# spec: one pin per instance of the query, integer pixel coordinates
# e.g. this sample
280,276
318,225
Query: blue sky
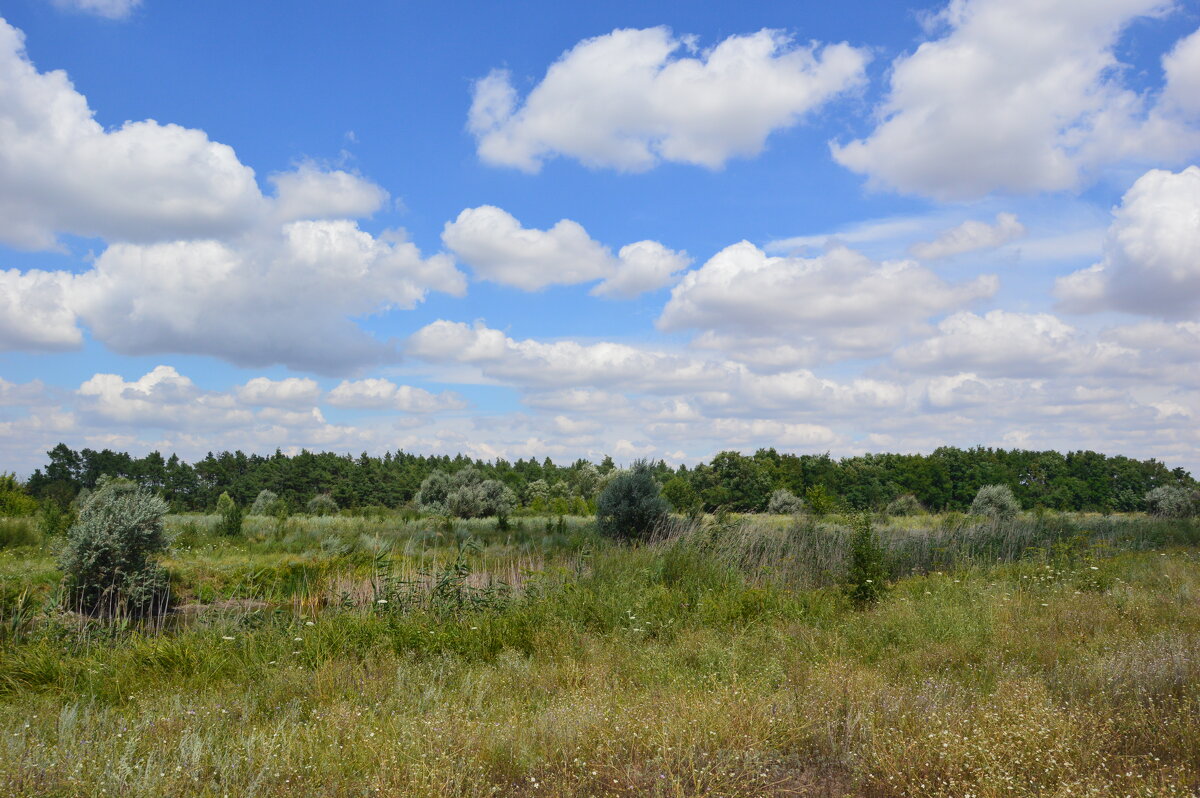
638,229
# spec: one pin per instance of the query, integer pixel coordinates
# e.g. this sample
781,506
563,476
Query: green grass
1053,657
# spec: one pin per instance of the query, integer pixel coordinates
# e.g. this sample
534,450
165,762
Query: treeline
946,479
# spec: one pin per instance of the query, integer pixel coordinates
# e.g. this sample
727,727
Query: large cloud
1169,344
1182,68
60,171
561,364
287,298
1151,262
627,100
288,392
838,303
496,246
570,375
161,398
199,260
1007,344
34,314
1020,95
143,182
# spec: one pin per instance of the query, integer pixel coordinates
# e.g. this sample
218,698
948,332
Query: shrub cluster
465,494
268,503
996,502
631,506
14,501
784,502
1171,501
230,523
108,556
907,504
866,581
322,504
682,496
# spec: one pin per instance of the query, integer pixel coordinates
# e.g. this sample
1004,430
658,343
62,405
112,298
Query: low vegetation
920,655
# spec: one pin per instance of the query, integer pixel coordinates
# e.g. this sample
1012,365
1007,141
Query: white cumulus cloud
1182,68
61,171
642,266
629,99
288,392
287,298
1020,96
34,311
1151,263
841,300
1006,344
970,236
377,393
498,248
161,398
309,192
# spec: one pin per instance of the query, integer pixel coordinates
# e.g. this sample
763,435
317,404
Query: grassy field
1051,656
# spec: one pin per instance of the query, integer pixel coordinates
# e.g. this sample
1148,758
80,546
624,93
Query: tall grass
19,531
805,552
719,660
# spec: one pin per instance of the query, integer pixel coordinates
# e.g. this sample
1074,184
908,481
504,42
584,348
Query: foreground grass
668,670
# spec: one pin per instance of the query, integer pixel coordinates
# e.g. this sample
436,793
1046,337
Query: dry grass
655,671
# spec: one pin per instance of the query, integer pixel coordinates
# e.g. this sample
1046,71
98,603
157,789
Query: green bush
53,520
819,500
267,503
465,494
1170,501
996,502
14,501
230,524
905,505
682,496
108,557
784,502
432,495
18,532
535,491
631,505
322,504
866,581
481,500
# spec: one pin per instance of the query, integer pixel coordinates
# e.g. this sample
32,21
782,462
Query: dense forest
946,479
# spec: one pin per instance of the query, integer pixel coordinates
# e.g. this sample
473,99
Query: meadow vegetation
386,653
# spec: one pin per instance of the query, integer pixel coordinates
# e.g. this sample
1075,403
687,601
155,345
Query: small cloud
109,9
970,236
